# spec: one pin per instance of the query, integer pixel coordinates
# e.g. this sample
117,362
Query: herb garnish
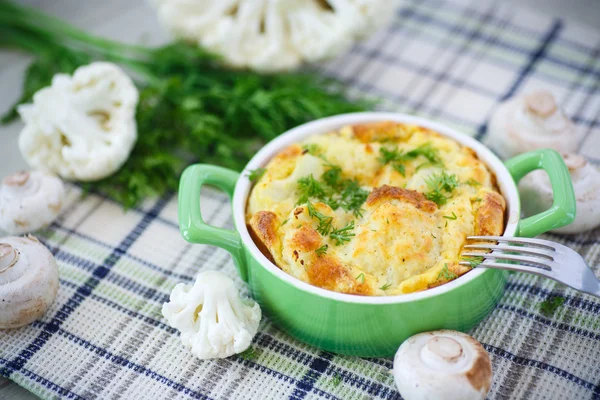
386,286
361,277
325,221
336,379
322,250
343,235
189,101
441,186
256,174
472,182
453,217
312,149
398,157
249,353
334,190
549,306
446,274
473,261
284,222
309,187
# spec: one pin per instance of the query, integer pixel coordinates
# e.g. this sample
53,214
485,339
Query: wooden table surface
135,21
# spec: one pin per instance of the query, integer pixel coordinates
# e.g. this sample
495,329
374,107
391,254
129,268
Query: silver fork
536,256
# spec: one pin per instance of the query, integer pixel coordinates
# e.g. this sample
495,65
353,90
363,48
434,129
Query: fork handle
562,211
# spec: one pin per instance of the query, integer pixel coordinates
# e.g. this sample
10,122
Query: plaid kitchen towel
453,61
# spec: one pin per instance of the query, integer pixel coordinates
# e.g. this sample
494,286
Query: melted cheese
402,242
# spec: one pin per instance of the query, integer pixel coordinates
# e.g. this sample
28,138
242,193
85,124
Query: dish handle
192,225
562,211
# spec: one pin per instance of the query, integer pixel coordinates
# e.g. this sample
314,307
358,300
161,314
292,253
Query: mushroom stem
443,349
9,256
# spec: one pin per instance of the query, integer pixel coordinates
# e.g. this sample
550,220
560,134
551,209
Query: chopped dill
446,275
343,235
322,250
549,306
325,221
453,217
398,157
473,261
386,286
361,277
441,186
472,182
256,174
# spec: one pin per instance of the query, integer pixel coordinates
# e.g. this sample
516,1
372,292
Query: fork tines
537,254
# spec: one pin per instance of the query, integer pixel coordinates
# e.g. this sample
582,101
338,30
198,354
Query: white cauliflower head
81,127
271,35
213,320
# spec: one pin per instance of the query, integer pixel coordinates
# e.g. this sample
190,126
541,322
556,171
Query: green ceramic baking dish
359,325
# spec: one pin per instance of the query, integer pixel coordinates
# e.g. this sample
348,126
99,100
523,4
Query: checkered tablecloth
452,61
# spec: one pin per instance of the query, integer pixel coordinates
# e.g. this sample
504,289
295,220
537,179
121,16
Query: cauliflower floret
212,319
271,35
81,127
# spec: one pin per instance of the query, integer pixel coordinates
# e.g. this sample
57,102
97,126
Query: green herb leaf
452,217
446,275
322,250
256,174
191,106
325,222
308,187
386,286
249,354
284,222
472,182
473,261
312,149
549,306
361,277
344,234
336,379
441,186
397,157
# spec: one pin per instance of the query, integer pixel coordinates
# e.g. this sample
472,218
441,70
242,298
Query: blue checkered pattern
452,61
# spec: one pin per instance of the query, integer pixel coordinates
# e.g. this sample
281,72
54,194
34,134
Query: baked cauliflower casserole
373,209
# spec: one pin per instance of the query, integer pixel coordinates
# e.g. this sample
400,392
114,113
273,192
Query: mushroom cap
442,364
536,194
531,121
82,127
29,201
271,35
28,280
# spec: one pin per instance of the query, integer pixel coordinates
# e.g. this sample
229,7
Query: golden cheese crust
373,209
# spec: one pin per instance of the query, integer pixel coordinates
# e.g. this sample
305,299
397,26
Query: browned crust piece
489,220
306,239
329,273
387,192
376,131
263,229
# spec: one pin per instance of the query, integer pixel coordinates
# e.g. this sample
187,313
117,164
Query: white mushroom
529,122
29,201
28,281
270,35
442,365
536,194
214,322
81,127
